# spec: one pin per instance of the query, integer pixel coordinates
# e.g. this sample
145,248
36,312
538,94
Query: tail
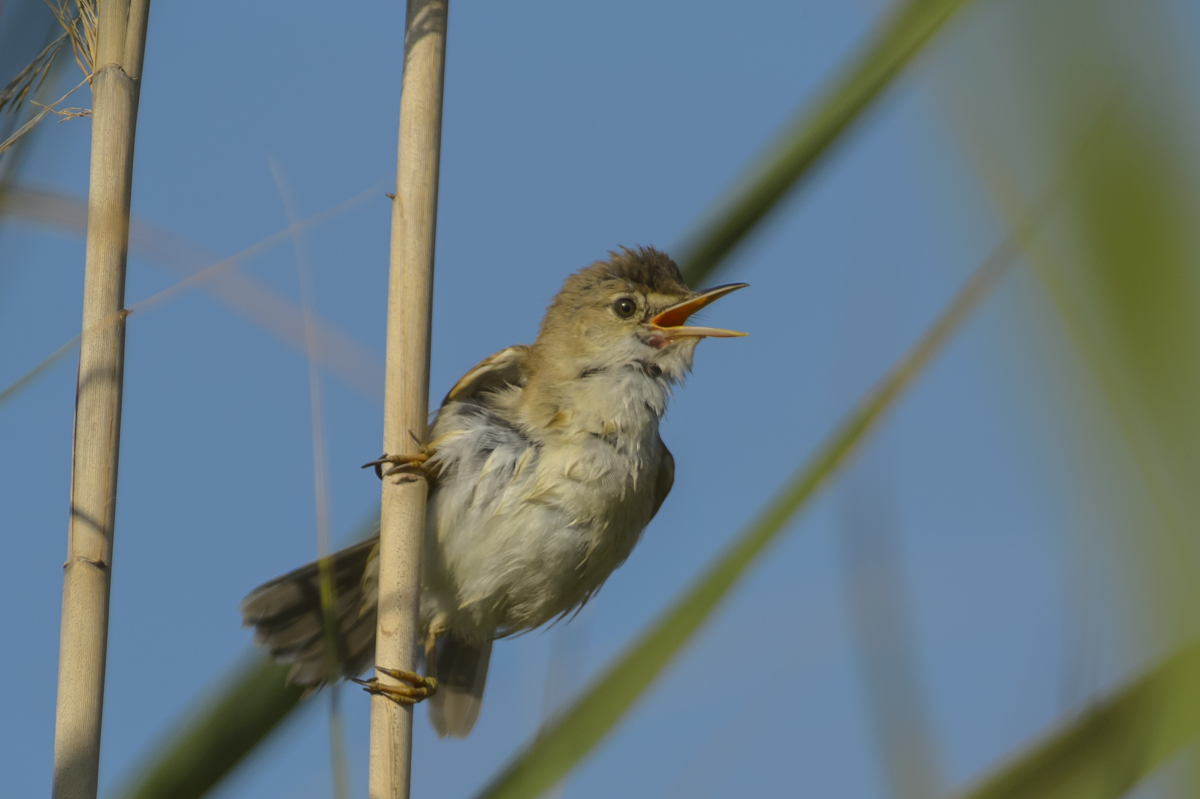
287,619
462,674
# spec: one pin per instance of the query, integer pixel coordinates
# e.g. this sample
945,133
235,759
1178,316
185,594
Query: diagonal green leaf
252,703
569,738
819,127
1107,750
1125,289
224,726
865,76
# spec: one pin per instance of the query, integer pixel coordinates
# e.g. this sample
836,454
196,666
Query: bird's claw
401,464
419,688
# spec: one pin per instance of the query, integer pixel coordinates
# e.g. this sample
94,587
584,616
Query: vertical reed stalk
406,398
87,572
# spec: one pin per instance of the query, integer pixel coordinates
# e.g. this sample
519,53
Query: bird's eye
624,307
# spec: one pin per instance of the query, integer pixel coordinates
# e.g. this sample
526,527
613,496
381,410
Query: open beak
671,321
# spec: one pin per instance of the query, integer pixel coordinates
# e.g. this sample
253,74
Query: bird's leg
431,654
403,463
417,689
437,628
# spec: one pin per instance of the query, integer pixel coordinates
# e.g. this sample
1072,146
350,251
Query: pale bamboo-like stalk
86,578
406,393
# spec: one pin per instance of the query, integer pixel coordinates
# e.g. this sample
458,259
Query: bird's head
630,310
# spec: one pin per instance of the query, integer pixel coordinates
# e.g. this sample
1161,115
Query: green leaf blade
567,740
1106,751
255,700
899,39
867,74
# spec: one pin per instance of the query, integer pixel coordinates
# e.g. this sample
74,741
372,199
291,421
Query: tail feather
286,614
462,675
288,622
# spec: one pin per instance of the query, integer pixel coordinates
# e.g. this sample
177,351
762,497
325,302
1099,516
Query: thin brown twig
328,594
28,126
283,319
30,78
195,280
214,270
79,23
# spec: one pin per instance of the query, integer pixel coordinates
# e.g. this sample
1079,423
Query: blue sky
569,129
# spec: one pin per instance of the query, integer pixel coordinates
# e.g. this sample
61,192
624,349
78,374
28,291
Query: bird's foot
402,463
418,688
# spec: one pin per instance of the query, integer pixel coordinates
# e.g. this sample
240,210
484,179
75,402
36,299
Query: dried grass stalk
84,637
406,399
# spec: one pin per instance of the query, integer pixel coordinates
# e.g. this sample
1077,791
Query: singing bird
544,467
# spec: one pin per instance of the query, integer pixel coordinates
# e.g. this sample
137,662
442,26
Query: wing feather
506,367
664,480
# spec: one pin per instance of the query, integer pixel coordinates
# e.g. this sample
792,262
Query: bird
545,465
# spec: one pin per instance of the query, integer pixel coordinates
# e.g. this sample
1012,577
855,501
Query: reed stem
406,397
88,569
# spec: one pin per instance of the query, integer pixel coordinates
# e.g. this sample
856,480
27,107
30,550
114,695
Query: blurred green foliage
1121,273
226,724
1111,747
201,755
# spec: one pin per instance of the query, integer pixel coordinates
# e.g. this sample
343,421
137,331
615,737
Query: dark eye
624,307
